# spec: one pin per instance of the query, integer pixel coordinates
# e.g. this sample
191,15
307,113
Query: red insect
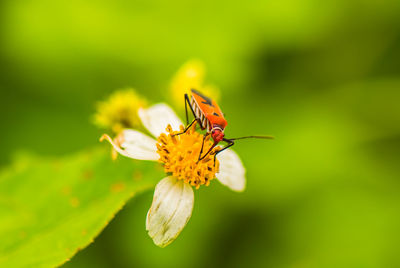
209,116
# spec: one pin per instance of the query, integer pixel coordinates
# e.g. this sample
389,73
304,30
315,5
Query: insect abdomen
205,123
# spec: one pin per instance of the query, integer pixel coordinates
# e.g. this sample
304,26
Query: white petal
157,117
134,144
231,170
170,211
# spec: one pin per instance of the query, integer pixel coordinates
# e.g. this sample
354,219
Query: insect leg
186,103
209,150
230,144
202,145
186,129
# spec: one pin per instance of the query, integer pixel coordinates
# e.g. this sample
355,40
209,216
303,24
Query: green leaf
51,209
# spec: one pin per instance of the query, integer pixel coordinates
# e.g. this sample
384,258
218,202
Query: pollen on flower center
180,155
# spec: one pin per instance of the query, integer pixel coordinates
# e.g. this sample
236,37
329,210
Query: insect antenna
253,137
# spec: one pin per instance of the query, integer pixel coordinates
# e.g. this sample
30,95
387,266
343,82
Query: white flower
173,196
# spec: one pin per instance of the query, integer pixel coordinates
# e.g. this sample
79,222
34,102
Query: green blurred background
322,76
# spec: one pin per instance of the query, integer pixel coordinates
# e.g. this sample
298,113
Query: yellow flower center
180,155
120,111
191,75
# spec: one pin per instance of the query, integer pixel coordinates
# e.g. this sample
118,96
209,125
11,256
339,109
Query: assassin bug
209,116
